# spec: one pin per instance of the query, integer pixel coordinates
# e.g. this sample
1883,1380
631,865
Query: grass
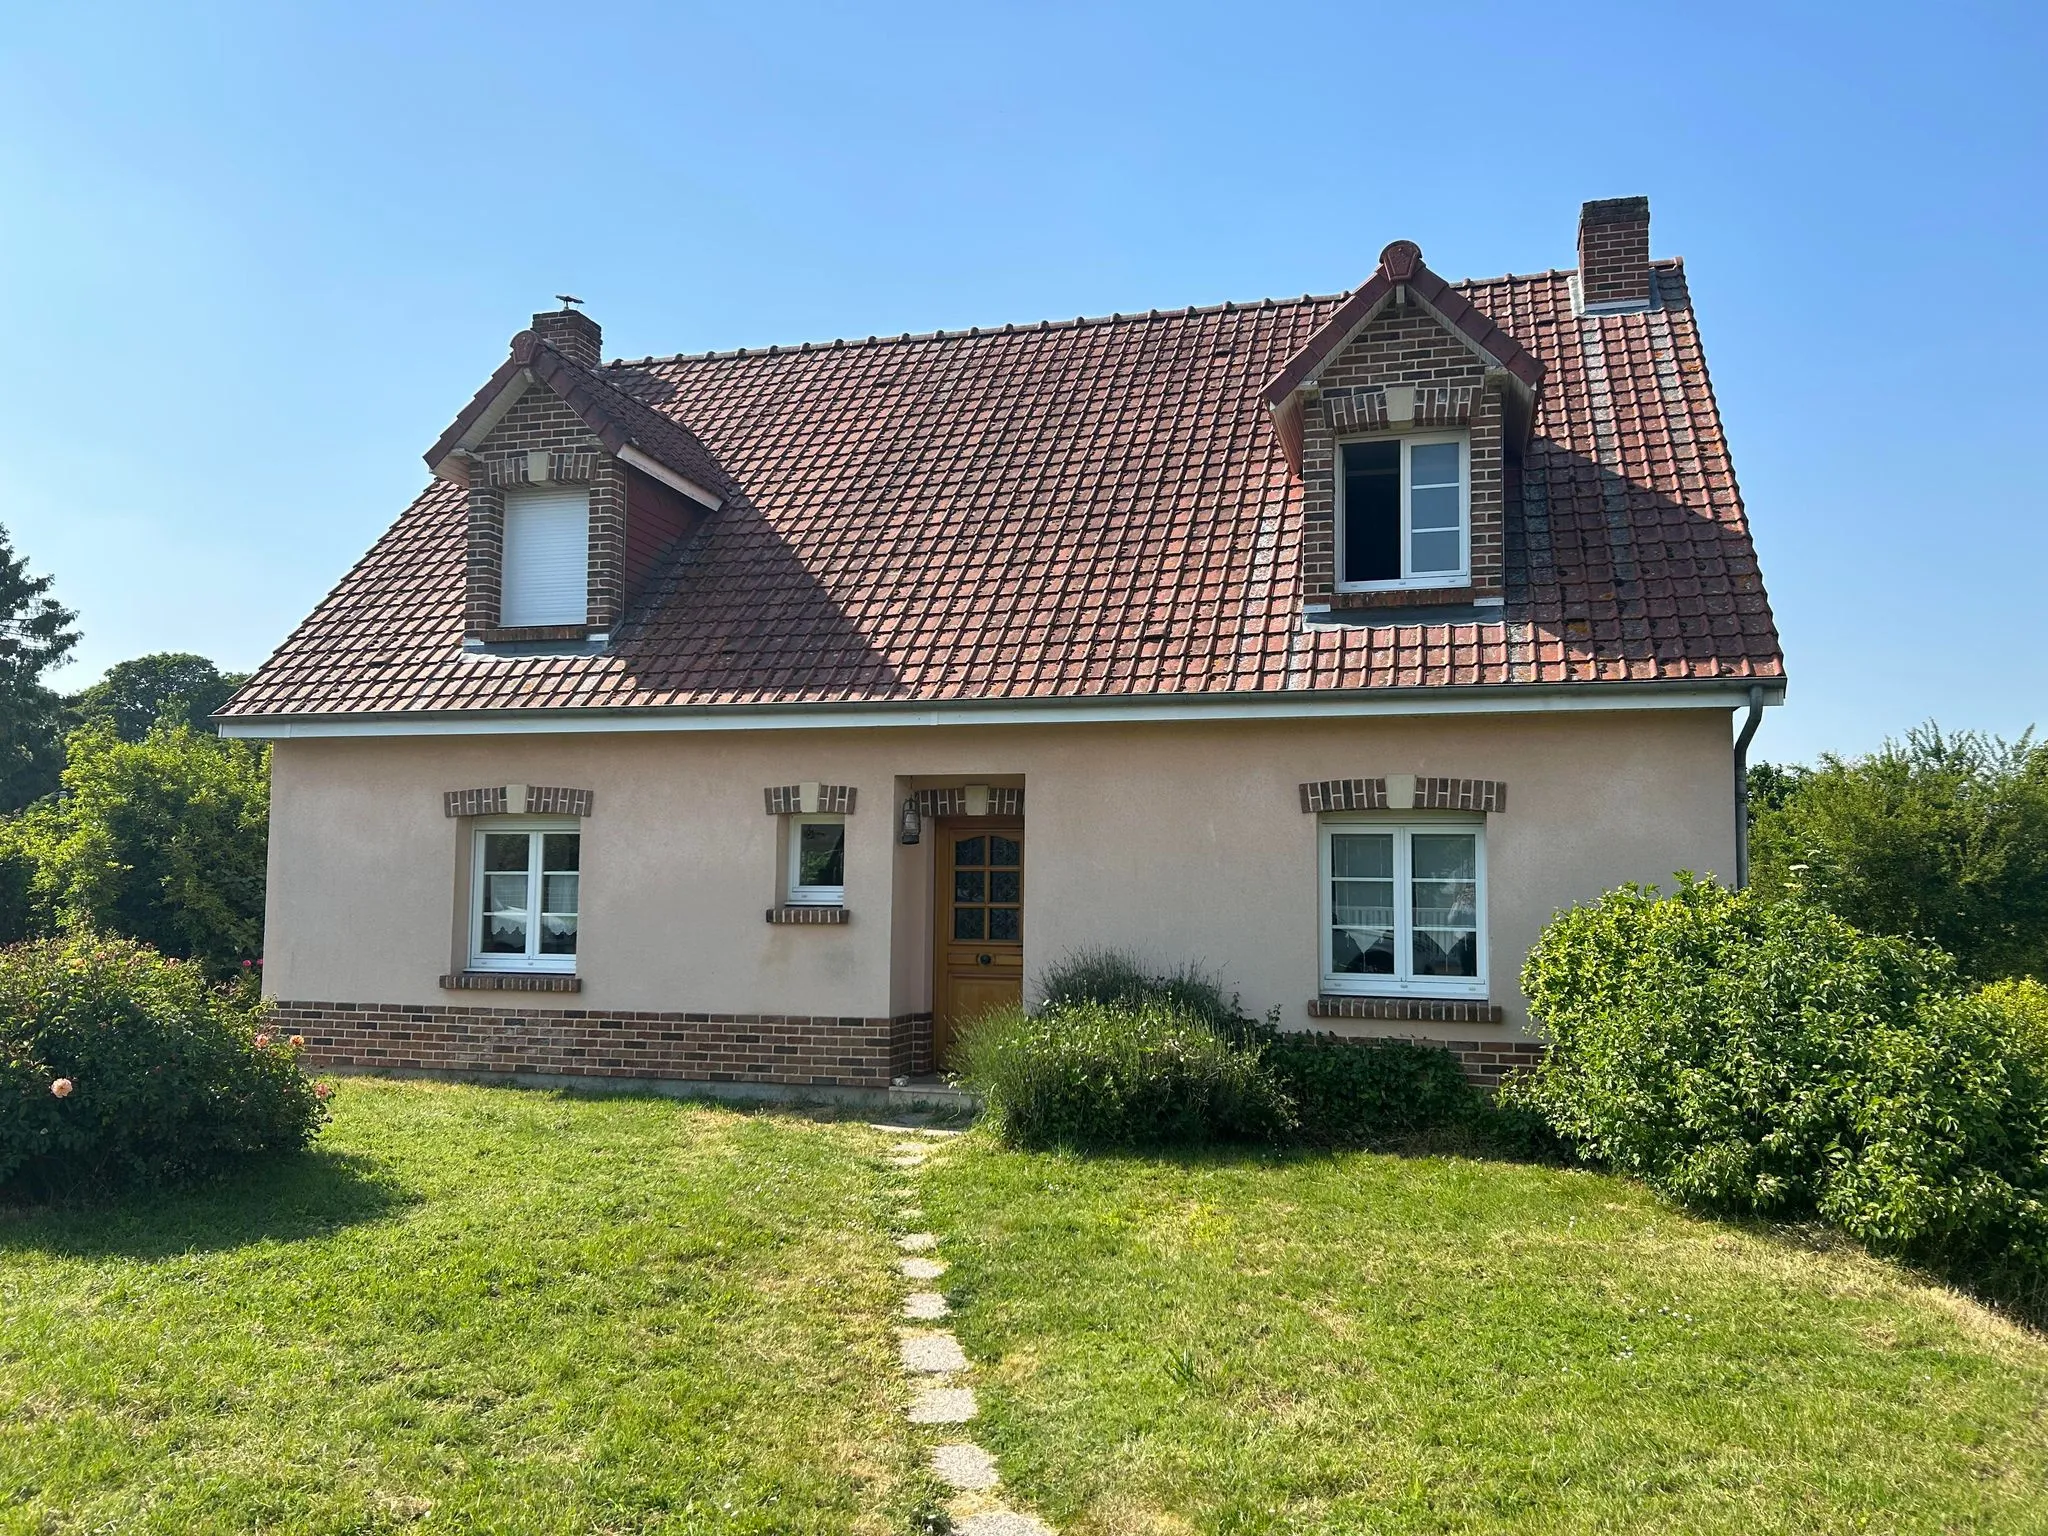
484,1310
471,1310
1364,1343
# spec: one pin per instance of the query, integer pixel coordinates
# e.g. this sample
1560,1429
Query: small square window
1403,508
817,861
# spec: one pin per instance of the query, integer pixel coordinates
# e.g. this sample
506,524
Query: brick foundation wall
701,1047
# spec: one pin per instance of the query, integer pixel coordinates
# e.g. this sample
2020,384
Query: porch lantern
912,827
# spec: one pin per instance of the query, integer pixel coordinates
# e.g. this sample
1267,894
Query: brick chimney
1614,252
575,335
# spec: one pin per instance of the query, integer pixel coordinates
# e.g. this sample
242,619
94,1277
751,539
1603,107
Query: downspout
1756,718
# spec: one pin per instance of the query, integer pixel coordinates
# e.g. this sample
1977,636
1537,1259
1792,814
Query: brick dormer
1399,418
576,490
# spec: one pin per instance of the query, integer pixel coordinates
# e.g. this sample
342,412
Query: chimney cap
1615,210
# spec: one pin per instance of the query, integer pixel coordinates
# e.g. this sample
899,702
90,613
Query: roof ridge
976,332
1079,322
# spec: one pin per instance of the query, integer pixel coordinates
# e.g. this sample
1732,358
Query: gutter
1756,718
1068,709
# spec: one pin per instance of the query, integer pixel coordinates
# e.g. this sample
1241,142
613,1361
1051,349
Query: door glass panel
1005,885
1005,924
967,885
967,923
969,852
1005,853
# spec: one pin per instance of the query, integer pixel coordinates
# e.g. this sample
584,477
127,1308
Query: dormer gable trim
634,433
1401,274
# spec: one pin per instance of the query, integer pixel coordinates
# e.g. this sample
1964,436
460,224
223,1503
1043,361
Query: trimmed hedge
1757,1056
1119,1055
1089,1074
120,1068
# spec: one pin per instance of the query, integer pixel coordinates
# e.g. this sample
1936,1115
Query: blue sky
256,257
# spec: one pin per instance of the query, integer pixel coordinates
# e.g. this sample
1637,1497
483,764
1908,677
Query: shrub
1106,1019
121,1068
1939,837
1117,978
162,840
1091,1074
1750,1055
1364,1091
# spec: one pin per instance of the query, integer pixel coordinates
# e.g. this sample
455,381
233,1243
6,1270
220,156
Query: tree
1938,837
169,685
162,840
35,635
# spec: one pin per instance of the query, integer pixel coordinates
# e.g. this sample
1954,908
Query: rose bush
120,1068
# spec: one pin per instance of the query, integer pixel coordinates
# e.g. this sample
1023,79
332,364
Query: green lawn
471,1310
1365,1343
486,1310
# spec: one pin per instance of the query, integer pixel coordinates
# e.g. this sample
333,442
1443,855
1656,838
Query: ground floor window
525,894
1404,907
817,861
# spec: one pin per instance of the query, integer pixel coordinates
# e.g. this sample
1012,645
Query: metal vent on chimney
1614,276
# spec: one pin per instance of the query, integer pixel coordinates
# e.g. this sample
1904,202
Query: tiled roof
1089,507
614,417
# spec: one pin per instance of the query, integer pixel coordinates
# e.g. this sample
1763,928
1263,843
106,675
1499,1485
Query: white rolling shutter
547,556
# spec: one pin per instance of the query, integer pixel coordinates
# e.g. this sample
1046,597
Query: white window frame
1401,983
797,894
532,960
1408,581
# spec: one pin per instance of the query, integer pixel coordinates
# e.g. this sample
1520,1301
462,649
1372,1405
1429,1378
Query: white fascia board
656,470
1096,710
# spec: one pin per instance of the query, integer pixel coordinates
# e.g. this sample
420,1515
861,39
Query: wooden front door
980,910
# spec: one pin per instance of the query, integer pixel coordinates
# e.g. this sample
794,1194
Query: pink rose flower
262,1041
322,1091
61,1087
298,1039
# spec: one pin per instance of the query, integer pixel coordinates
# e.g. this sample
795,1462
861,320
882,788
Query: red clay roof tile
1082,507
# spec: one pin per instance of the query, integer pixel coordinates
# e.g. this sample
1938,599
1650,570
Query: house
755,717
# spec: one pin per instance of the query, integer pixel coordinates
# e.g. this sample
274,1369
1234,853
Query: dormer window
547,556
1403,512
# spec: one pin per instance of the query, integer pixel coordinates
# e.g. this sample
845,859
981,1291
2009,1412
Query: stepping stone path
933,1359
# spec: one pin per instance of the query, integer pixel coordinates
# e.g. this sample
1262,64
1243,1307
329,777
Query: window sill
1406,597
1437,1010
512,981
808,917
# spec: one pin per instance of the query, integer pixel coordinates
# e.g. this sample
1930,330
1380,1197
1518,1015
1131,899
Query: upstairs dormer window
1404,512
547,556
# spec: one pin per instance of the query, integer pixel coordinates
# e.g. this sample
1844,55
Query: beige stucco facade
1179,841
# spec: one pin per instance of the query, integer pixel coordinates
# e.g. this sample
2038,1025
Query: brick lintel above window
1404,792
810,799
518,800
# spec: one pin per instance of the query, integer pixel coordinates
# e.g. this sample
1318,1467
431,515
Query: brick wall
699,1047
1406,347
542,422
1614,251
